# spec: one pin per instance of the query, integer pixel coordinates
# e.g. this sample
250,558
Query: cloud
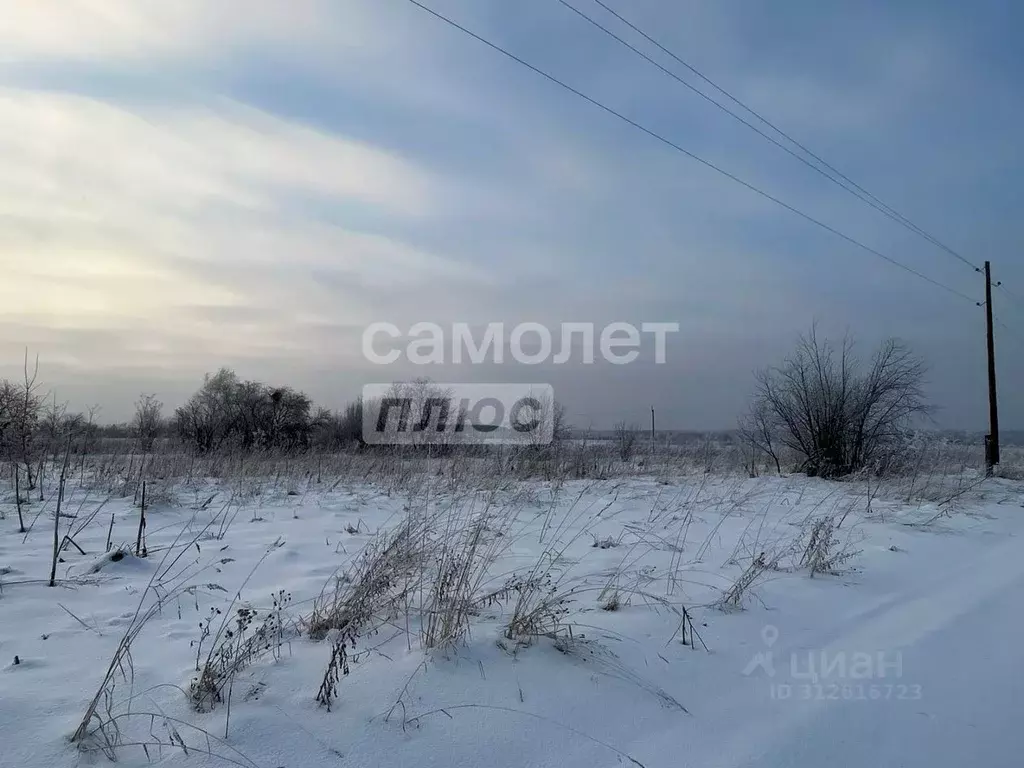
249,182
186,157
180,235
141,29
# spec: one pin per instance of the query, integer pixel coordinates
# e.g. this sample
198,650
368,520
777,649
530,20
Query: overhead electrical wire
1015,303
673,145
1013,333
825,169
1011,295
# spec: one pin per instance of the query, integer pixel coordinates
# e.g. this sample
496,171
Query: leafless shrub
758,430
611,602
238,646
540,597
606,543
835,415
733,597
101,726
337,668
774,540
539,607
235,644
462,554
549,459
23,405
607,663
375,591
377,586
824,552
164,734
147,421
339,430
626,437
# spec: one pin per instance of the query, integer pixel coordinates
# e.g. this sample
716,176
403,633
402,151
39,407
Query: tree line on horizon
823,407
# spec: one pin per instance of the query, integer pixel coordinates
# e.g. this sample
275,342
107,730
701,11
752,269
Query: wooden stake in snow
110,532
139,550
56,516
56,540
17,498
652,431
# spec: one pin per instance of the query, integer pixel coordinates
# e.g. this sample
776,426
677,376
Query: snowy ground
679,625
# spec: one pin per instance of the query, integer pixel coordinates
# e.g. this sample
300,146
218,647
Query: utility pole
992,439
652,431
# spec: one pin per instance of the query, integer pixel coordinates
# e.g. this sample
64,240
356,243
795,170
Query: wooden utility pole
652,431
992,439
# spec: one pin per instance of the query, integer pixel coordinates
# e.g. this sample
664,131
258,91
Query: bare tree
757,429
246,405
8,407
89,430
342,429
838,415
350,423
210,416
25,404
553,429
626,437
147,421
425,416
52,424
553,411
249,414
544,451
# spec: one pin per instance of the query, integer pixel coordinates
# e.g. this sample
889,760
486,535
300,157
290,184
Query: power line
854,189
725,109
691,155
1011,295
1014,334
1016,304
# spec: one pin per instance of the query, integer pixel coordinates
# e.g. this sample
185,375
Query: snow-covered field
703,620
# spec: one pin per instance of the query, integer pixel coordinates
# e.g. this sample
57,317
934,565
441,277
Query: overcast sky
249,183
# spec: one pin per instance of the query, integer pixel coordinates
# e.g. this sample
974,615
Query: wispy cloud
115,215
189,184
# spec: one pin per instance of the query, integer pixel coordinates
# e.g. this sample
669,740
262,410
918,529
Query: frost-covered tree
837,414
